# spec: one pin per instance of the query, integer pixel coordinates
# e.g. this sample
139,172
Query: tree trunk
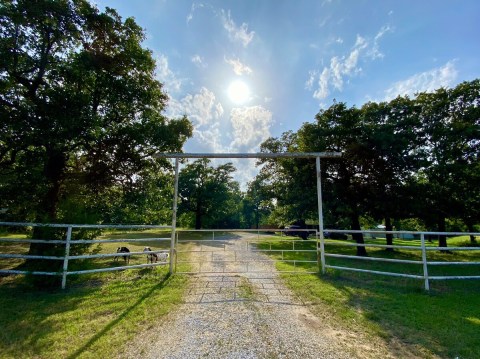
442,239
54,170
471,229
389,236
358,237
198,216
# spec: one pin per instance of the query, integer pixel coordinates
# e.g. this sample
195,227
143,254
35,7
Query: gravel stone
247,315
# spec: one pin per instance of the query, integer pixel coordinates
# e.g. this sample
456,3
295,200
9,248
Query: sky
244,71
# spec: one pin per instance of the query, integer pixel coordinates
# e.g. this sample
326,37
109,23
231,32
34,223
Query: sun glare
238,91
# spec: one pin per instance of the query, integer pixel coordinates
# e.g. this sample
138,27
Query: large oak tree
80,105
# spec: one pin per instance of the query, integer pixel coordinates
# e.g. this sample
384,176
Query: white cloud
251,126
205,113
375,51
166,76
428,81
341,68
322,91
236,33
201,108
199,61
312,74
238,67
194,7
324,21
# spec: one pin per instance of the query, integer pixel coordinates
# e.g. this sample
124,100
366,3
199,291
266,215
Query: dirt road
248,315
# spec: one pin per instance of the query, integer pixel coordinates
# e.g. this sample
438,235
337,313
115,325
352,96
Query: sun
238,91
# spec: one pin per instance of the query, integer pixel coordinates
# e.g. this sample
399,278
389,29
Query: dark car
293,231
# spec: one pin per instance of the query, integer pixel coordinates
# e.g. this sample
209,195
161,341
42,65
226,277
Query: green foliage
81,108
210,194
81,112
404,159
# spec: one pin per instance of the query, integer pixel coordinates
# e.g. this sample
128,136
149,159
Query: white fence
69,242
319,250
423,248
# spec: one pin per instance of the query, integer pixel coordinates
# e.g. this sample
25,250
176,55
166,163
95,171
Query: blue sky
296,57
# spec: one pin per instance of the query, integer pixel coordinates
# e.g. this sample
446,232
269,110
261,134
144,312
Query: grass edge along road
444,322
95,317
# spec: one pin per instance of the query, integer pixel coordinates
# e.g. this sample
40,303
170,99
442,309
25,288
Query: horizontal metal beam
251,155
59,225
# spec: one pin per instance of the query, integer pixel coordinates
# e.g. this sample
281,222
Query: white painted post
424,260
174,217
65,260
320,216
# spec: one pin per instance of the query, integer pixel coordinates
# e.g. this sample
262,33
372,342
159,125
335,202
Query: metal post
320,216
174,217
176,246
424,260
65,260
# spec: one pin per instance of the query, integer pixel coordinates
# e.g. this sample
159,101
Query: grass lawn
96,315
444,322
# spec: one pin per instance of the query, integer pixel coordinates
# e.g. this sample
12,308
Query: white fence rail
320,250
69,242
423,249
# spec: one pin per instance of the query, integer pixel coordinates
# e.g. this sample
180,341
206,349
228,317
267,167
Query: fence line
319,240
68,242
423,248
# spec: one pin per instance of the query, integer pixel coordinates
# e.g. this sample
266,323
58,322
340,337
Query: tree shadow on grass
38,323
445,321
119,318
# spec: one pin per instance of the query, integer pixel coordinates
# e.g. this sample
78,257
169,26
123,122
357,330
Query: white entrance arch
316,155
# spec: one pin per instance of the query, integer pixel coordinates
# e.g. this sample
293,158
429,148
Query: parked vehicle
293,231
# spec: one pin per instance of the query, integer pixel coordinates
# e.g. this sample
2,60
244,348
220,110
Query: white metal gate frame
178,156
243,256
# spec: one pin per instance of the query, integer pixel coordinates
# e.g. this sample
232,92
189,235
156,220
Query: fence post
320,213
424,260
174,218
322,253
176,252
65,259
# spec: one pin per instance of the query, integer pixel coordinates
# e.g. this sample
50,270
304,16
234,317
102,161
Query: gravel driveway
250,315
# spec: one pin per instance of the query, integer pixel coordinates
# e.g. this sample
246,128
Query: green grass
444,322
93,319
99,313
96,315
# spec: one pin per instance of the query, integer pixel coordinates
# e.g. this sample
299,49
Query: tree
210,194
290,182
256,204
450,119
393,140
80,105
79,100
345,188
